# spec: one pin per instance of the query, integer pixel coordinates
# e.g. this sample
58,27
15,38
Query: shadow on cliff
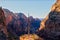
51,31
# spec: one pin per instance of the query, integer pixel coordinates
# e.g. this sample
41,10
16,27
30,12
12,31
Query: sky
35,8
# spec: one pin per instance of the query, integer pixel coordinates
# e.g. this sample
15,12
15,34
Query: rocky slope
3,27
51,24
16,24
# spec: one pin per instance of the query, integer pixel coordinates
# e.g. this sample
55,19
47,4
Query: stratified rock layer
51,24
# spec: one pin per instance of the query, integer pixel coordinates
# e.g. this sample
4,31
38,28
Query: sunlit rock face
51,24
42,24
56,6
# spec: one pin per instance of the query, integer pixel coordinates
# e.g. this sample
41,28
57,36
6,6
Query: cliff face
3,27
56,6
15,24
51,24
9,15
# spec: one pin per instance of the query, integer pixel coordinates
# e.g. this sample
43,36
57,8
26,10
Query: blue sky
35,8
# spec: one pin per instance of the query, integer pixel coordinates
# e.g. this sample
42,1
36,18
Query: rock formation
3,27
8,15
51,24
16,24
56,6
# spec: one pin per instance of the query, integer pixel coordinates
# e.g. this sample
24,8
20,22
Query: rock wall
3,27
51,24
